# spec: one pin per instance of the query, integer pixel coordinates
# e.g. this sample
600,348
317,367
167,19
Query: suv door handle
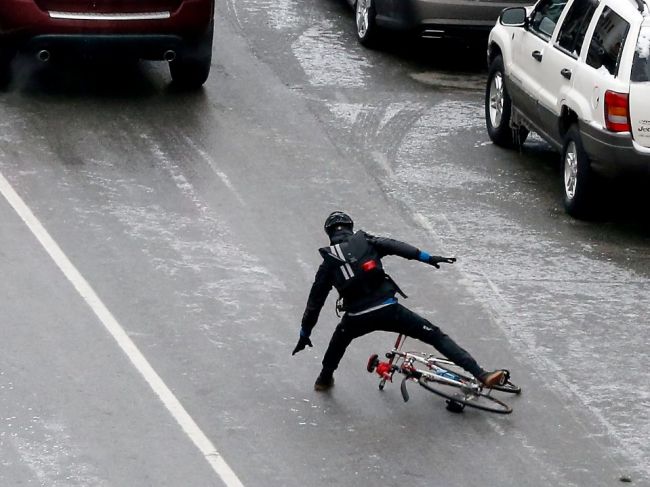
537,55
566,73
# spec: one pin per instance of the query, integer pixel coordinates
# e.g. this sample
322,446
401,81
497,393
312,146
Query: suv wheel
498,109
192,66
578,175
366,25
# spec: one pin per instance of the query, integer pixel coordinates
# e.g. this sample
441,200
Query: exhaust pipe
169,55
43,55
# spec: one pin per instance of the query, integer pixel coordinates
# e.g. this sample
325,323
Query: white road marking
189,426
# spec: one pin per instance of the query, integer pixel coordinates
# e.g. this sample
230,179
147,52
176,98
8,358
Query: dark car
433,19
176,31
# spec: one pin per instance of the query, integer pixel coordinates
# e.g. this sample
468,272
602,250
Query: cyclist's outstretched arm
389,246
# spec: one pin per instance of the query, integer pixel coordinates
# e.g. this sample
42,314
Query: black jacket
325,278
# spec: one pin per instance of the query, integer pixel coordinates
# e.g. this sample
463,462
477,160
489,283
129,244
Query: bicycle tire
478,400
508,387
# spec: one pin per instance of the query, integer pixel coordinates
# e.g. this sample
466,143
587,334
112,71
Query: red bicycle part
384,370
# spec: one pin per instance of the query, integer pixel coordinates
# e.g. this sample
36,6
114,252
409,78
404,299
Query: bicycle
440,376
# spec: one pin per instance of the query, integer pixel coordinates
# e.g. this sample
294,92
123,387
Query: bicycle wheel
508,387
472,398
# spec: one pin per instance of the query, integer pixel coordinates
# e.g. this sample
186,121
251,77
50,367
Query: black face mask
340,234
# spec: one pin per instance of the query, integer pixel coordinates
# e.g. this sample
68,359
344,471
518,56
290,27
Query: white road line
189,426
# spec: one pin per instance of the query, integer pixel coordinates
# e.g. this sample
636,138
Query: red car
177,31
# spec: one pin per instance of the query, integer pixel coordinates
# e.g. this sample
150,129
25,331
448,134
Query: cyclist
367,296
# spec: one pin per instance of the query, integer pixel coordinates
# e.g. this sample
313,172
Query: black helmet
337,218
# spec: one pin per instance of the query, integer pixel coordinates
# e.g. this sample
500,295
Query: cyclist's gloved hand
434,260
303,341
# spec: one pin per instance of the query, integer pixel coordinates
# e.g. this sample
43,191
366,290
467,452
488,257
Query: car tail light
617,111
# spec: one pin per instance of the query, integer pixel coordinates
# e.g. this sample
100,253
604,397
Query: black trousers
399,319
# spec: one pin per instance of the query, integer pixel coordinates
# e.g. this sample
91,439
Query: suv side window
641,63
545,17
573,30
607,42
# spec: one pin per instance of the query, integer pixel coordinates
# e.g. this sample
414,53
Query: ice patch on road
437,173
394,109
213,165
46,449
426,136
282,14
448,117
185,239
348,113
327,60
382,128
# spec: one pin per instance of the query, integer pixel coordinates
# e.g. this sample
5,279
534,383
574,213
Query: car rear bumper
613,153
21,20
154,47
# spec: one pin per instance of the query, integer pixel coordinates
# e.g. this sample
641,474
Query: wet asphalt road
195,218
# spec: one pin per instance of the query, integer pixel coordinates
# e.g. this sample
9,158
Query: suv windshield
641,63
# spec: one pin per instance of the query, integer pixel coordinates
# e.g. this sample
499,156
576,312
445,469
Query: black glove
434,260
302,343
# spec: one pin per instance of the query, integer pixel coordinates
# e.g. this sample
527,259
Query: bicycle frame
439,376
405,364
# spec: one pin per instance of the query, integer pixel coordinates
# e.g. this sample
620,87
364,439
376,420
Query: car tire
191,68
498,109
365,15
6,56
578,176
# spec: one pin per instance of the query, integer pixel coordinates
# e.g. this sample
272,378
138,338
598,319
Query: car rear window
607,42
641,63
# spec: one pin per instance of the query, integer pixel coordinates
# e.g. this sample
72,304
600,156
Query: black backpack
360,271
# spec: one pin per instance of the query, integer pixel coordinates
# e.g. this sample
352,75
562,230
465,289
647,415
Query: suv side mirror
514,17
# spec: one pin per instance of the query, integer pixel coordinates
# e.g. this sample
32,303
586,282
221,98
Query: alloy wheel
570,170
496,99
363,6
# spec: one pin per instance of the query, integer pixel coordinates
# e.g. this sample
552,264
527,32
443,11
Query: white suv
577,72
